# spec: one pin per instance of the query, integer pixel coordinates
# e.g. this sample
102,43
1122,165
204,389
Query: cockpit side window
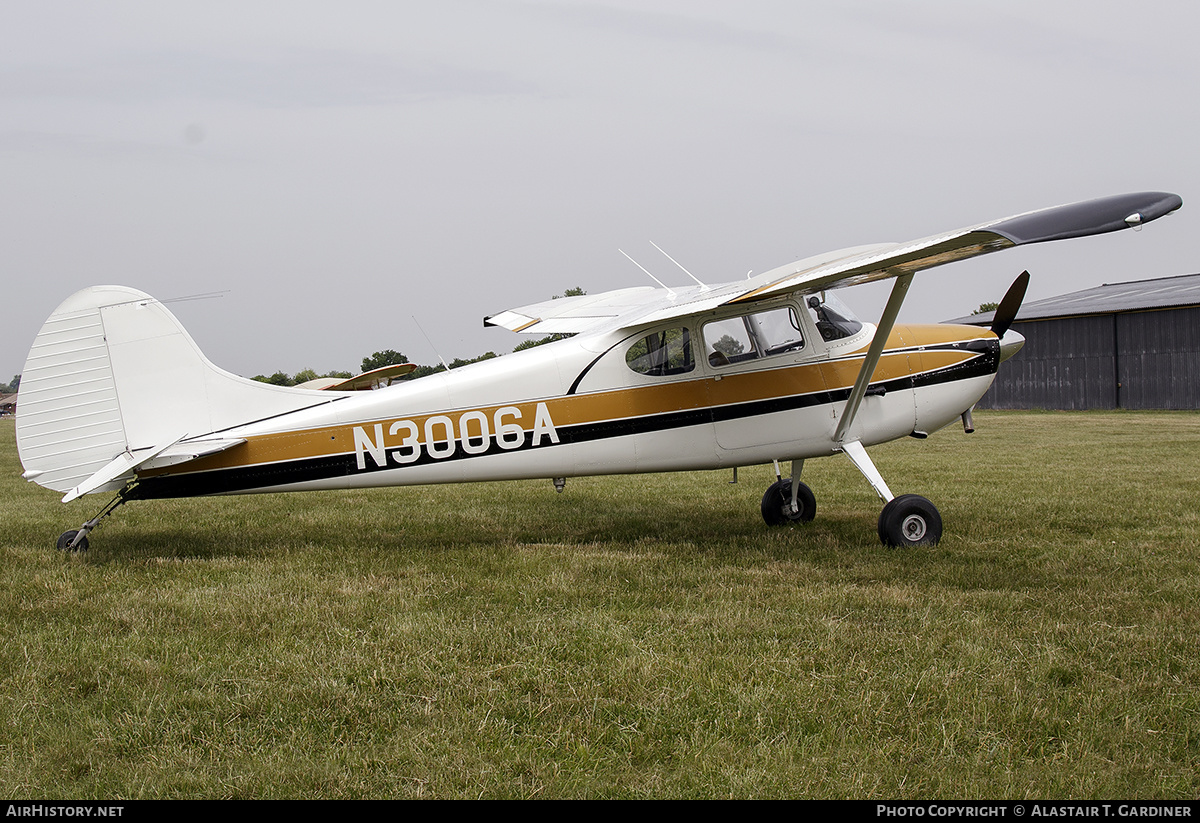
662,353
752,336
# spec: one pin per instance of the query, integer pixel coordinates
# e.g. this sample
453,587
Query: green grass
632,637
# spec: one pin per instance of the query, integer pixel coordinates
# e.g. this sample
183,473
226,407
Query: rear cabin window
752,336
662,353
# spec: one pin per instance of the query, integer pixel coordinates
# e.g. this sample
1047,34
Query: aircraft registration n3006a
116,397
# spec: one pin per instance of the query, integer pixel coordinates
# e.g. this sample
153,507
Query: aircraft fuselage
589,405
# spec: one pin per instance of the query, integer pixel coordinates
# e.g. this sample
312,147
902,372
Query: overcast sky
336,169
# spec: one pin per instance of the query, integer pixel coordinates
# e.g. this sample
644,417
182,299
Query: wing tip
1099,216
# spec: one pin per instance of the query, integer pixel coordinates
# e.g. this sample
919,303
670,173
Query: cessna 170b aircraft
116,397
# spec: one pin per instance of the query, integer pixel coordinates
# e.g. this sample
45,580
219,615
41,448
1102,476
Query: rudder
112,372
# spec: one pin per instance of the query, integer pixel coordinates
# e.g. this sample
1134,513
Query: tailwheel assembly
76,540
71,541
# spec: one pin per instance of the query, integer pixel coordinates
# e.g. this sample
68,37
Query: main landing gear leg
789,500
76,540
907,520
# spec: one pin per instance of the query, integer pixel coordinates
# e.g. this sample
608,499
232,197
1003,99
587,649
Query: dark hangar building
1117,346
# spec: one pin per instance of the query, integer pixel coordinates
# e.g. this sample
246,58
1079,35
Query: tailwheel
777,503
67,542
910,520
76,540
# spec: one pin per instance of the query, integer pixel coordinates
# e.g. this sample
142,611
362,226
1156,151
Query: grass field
632,637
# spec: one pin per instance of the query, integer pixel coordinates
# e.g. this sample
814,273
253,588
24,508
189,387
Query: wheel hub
914,527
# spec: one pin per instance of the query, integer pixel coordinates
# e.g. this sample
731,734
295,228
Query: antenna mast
430,342
677,263
670,291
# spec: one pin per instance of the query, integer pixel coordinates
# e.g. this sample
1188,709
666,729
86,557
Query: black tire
910,520
64,542
777,504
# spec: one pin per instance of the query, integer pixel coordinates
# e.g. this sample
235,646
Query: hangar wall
1126,360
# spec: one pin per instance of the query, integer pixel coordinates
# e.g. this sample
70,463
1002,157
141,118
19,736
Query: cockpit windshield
833,318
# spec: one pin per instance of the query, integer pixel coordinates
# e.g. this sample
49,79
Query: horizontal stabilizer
123,467
119,471
187,450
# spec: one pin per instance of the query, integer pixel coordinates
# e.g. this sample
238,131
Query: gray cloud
294,78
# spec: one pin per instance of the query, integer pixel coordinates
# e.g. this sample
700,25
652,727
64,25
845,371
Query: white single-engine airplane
115,396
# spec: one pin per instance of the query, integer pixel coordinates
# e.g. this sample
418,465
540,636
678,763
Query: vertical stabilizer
111,372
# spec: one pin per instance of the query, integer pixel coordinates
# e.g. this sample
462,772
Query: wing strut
886,322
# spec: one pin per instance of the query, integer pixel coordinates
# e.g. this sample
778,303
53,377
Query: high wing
848,267
571,315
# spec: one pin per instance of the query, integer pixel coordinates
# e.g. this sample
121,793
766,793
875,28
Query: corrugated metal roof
1111,298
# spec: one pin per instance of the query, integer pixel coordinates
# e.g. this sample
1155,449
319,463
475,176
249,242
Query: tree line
387,357
391,357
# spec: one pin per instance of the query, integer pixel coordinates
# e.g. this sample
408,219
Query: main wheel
64,542
777,504
910,520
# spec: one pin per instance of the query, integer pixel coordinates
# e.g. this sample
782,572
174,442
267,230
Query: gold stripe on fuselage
697,391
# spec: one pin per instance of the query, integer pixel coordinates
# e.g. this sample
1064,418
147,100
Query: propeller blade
1010,305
